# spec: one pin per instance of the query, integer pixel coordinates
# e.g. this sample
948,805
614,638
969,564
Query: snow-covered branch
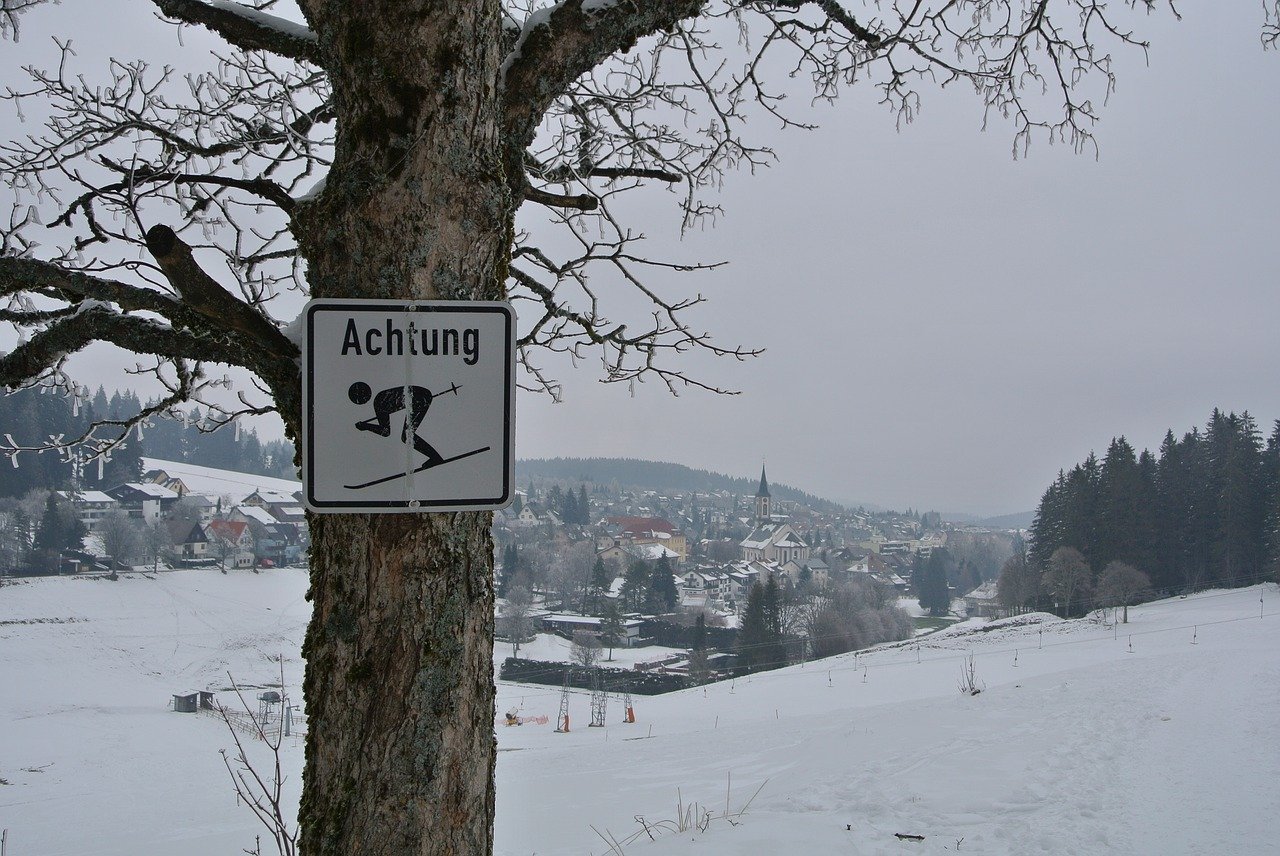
246,27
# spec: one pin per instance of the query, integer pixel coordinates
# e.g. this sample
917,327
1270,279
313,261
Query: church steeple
764,502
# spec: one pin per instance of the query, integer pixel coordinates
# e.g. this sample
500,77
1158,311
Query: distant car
267,563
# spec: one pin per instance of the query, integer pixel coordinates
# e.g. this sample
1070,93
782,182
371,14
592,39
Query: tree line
1203,511
31,418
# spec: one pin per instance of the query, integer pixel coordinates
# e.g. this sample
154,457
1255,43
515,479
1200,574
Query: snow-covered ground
1154,737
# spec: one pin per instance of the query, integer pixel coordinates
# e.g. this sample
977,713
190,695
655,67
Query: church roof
764,483
777,534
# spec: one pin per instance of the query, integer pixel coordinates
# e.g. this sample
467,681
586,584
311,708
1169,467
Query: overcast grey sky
946,327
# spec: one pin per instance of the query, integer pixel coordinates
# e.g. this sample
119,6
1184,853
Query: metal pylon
599,700
562,720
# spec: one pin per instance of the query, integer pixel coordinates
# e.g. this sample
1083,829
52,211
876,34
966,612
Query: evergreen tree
59,530
568,510
1119,519
931,582
1271,514
698,669
753,633
601,583
125,465
612,630
1235,453
584,506
15,537
555,500
774,653
663,595
635,586
510,568
1048,528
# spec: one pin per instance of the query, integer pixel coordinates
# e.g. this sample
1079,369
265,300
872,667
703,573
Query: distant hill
657,476
1019,520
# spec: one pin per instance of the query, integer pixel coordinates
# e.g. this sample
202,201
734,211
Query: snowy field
208,481
1155,737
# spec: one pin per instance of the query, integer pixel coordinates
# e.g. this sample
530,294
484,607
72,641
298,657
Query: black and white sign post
408,405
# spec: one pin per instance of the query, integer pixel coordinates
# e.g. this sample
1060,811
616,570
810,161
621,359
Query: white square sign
408,405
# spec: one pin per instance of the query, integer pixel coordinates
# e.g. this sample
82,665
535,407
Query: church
772,539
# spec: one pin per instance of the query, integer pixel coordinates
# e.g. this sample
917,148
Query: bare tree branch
50,280
202,293
247,28
94,322
559,45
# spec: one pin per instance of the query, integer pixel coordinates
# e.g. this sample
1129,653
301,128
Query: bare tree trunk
399,684
407,758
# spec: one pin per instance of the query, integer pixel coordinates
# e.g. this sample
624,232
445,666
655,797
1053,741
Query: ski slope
1154,737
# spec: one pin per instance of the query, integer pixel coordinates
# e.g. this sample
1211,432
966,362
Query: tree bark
399,681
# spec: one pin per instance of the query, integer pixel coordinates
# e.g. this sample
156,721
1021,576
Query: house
613,553
984,601
231,542
567,625
190,543
251,512
144,501
703,588
531,514
648,530
90,506
813,569
164,479
652,553
281,507
276,543
271,498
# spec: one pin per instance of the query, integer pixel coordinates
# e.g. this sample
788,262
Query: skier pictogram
391,401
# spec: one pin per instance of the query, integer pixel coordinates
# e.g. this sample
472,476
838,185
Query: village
673,573
665,576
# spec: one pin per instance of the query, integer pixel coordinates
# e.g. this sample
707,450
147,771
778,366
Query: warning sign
408,406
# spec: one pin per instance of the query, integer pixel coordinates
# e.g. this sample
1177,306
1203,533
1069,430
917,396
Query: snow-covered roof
215,482
652,552
986,591
275,497
256,513
155,491
86,496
